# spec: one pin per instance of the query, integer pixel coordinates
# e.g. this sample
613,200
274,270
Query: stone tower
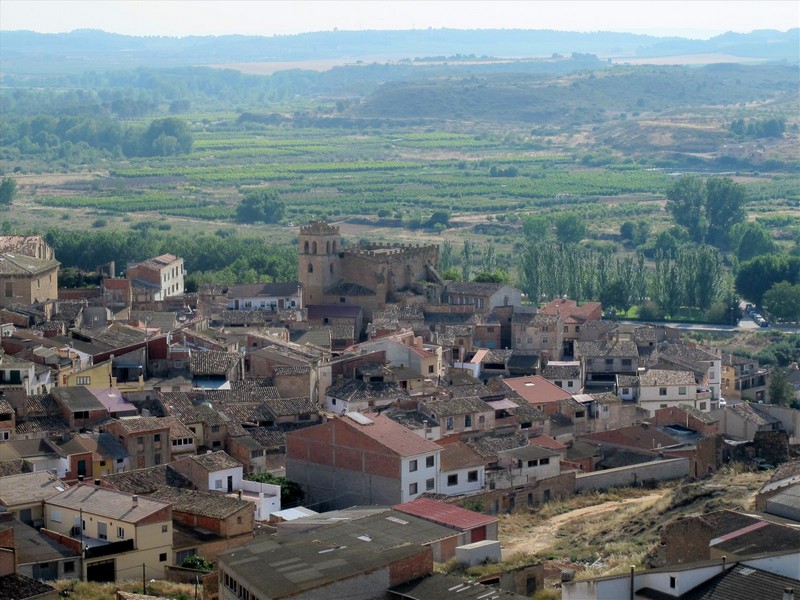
318,265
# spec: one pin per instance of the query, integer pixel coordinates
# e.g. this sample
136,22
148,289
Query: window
162,557
215,429
662,391
452,480
450,423
412,466
682,390
545,340
482,419
412,489
566,328
672,583
83,381
69,566
663,406
81,414
570,383
467,420
472,476
121,533
310,268
164,528
530,340
577,328
218,484
609,362
238,520
626,390
430,368
55,515
157,437
559,383
544,461
102,530
157,458
702,406
429,484
9,289
626,362
533,463
429,461
140,441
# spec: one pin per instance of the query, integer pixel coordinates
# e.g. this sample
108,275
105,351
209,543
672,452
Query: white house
265,296
212,471
463,471
519,466
660,388
265,496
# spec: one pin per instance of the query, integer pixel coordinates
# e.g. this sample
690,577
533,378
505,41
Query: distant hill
84,50
585,98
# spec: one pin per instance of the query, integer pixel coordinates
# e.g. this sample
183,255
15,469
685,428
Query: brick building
361,459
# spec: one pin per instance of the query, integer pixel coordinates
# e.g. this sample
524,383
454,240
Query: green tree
686,203
495,276
750,239
535,229
627,230
617,294
570,228
446,255
780,389
166,137
725,200
466,265
198,563
439,217
451,274
755,277
8,190
782,301
263,205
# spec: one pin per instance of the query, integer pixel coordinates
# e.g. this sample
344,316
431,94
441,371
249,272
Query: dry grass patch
83,590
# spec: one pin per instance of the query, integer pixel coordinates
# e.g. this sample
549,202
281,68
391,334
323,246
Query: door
26,517
82,468
478,534
230,484
101,571
47,571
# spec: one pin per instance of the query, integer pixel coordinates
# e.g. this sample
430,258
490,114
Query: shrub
650,311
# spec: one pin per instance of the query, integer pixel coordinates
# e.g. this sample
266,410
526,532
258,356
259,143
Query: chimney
724,558
135,500
97,482
788,593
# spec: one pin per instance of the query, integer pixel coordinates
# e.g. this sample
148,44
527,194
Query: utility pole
144,584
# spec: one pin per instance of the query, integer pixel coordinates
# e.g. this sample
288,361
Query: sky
699,19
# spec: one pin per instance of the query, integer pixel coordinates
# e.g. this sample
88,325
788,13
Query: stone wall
660,470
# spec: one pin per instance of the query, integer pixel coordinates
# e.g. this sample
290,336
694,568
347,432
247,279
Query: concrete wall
660,470
331,488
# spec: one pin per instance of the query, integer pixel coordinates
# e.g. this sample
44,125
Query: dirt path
540,537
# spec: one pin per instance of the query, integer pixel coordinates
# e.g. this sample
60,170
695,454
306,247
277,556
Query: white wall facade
418,475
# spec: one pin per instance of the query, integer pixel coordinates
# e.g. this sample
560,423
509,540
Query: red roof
445,514
392,435
536,389
569,308
545,441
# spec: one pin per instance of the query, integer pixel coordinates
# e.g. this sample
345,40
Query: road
745,325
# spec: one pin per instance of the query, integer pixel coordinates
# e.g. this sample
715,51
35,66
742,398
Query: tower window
310,268
305,247
327,247
313,247
331,269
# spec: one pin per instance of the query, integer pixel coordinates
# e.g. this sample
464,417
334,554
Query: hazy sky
699,19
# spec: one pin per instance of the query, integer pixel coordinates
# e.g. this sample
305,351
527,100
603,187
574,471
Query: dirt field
540,538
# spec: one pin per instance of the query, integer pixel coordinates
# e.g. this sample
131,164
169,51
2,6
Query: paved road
745,325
